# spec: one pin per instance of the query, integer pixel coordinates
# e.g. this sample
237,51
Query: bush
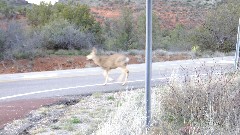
14,40
2,42
141,31
176,39
40,14
120,34
74,21
220,28
61,34
7,10
124,35
201,105
78,14
18,44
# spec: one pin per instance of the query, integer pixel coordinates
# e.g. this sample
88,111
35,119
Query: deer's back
113,61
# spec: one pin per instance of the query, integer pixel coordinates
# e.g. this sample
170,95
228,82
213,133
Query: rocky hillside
170,12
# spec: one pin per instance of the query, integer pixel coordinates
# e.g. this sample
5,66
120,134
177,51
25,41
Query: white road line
39,76
67,88
226,62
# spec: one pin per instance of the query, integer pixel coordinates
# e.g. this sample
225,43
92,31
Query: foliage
40,14
61,34
7,10
2,42
176,39
46,12
220,28
3,5
206,104
141,31
11,8
77,14
83,24
16,43
14,40
120,34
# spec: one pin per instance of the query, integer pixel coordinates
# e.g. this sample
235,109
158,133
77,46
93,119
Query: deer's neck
97,60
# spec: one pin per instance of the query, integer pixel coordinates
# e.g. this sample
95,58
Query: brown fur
110,62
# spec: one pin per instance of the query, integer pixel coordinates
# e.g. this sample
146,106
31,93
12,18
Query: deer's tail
127,60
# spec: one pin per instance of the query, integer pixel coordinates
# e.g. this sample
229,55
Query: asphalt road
51,84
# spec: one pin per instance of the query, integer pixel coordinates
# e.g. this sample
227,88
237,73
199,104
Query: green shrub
18,43
77,14
120,34
61,34
141,31
69,52
65,26
75,120
2,43
220,28
40,14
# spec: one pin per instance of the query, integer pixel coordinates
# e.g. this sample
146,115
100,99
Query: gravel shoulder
75,115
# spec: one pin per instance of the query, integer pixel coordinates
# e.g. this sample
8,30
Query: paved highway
37,85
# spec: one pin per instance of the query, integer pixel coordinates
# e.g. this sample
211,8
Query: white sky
38,1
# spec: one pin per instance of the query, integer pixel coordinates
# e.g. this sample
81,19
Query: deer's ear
94,50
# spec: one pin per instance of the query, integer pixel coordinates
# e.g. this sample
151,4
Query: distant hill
208,3
16,2
170,12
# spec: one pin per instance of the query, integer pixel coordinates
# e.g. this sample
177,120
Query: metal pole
237,48
148,60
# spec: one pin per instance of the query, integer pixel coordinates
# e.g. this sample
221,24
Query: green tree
76,14
40,14
141,31
121,34
7,10
80,15
2,42
3,6
220,28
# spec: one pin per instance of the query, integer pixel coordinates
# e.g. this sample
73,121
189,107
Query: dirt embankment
51,63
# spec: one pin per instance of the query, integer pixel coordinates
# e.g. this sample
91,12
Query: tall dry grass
202,104
128,119
197,104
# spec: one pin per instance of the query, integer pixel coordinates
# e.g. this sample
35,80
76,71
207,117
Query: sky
38,1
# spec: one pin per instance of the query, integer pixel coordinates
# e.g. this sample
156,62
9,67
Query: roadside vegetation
201,103
71,26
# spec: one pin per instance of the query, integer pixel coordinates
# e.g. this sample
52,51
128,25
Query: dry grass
203,104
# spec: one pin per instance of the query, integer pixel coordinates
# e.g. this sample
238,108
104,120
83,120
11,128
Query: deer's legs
125,73
107,78
126,76
105,74
120,78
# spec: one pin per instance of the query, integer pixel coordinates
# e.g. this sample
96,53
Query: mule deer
110,62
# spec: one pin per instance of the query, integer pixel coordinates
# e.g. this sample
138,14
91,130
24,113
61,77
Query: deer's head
92,54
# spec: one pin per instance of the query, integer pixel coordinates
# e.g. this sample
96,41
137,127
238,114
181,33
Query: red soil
51,63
